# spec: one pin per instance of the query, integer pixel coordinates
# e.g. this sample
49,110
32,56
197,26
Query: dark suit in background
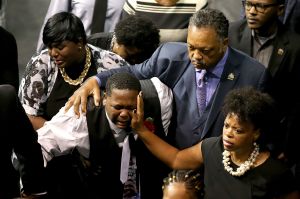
9,71
171,64
102,40
292,15
17,135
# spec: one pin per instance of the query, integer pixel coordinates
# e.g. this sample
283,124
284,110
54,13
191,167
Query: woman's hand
89,87
137,116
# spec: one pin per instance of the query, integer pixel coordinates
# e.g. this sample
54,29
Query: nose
197,55
125,114
53,52
228,132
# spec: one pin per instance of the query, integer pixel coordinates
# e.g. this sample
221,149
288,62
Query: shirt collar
264,39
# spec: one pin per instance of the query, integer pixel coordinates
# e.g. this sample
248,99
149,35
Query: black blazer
18,134
105,155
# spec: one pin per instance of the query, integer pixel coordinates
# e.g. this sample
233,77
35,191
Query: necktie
128,174
125,160
201,92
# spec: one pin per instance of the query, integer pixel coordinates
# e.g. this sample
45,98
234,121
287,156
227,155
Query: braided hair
192,180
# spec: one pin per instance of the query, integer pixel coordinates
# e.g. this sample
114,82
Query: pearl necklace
79,80
241,170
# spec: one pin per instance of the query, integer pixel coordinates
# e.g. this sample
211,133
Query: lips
252,20
227,144
122,124
58,62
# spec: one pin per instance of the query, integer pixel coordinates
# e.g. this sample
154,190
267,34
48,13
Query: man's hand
89,87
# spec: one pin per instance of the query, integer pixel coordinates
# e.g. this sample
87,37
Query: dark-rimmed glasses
259,7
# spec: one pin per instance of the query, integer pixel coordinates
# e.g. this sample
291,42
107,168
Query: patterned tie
128,174
201,91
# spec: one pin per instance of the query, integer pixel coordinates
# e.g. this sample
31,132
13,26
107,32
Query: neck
267,30
239,157
75,70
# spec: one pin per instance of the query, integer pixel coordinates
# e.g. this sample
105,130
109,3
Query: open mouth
122,125
227,144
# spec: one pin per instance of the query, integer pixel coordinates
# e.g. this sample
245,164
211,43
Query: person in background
104,139
18,137
9,71
236,164
171,17
262,36
183,184
135,39
200,73
96,15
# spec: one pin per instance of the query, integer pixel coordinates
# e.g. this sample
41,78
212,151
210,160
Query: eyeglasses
259,7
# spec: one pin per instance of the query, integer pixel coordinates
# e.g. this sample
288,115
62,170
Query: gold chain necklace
86,68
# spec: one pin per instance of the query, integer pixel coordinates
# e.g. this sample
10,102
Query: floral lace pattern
41,72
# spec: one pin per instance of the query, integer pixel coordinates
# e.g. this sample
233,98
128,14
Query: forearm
161,149
36,121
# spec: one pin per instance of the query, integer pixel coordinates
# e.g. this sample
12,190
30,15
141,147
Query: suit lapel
228,79
245,41
279,52
189,79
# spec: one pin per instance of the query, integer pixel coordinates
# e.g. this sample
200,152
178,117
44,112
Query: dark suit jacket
101,179
171,64
101,40
283,65
9,71
292,15
17,134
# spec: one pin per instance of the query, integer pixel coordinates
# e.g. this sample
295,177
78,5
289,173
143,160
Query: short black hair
211,18
63,26
122,81
139,32
255,107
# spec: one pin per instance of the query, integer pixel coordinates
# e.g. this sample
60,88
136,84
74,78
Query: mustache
198,62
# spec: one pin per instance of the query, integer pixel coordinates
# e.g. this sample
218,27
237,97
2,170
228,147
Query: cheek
112,114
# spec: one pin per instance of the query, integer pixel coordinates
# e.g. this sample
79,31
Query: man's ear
280,10
104,99
225,44
256,135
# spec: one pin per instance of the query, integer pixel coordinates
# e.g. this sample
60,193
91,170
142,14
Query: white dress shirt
65,132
